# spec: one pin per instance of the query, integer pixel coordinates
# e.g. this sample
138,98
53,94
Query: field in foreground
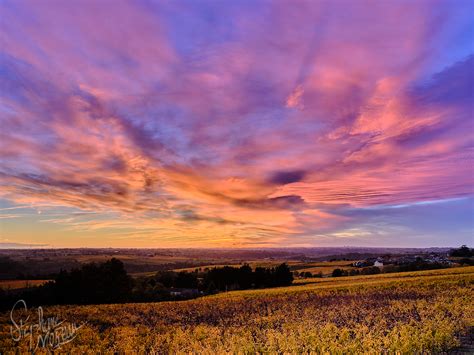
407,312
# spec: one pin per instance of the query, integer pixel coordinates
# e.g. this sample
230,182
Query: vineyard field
424,311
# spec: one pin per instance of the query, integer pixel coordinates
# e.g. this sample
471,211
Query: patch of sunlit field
415,312
325,270
17,284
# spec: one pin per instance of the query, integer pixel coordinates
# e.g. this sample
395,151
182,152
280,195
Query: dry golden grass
416,312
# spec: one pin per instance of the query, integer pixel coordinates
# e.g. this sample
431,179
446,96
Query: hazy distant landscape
37,263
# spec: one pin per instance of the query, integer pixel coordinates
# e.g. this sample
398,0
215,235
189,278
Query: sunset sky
236,123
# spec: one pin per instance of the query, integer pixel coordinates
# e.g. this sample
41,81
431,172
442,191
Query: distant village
432,258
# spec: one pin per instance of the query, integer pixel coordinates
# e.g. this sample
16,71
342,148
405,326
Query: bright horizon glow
238,124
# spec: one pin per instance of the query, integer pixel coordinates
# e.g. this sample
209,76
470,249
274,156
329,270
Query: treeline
464,251
93,283
307,274
109,282
373,270
227,278
231,278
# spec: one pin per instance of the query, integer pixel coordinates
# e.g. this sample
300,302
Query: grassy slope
406,312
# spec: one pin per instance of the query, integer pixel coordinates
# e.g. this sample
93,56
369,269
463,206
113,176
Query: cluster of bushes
93,283
231,278
371,270
106,282
307,274
109,282
414,266
466,261
463,251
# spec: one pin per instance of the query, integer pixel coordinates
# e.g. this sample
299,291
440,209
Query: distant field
16,284
414,312
325,267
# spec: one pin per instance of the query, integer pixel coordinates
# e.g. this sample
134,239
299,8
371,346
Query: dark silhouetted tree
463,251
93,283
186,280
283,276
